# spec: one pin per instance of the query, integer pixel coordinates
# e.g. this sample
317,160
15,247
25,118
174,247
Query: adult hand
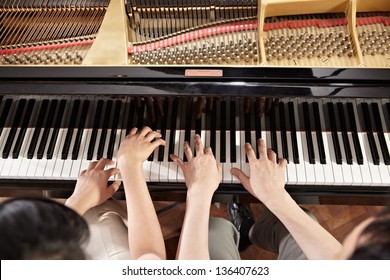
91,187
267,174
202,172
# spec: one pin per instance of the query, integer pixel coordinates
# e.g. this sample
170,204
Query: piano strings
48,32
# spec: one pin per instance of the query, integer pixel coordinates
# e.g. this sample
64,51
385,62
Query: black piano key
161,149
370,135
4,114
213,128
344,133
172,139
198,125
294,141
309,138
258,134
247,127
223,132
355,137
131,118
114,128
23,129
71,126
388,109
48,123
140,115
97,117
187,134
103,135
15,124
274,139
188,123
335,138
283,130
57,124
80,131
38,127
320,140
233,155
381,136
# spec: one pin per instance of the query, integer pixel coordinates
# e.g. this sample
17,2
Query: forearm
193,244
314,240
145,236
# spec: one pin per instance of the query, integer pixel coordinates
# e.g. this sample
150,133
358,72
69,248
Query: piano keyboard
340,142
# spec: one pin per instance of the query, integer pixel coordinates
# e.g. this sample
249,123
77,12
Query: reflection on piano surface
311,77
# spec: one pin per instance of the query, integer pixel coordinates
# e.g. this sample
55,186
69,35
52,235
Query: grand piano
310,77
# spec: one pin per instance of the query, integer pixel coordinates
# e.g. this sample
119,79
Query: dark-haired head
373,242
38,228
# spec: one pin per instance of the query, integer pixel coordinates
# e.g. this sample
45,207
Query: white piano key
386,133
5,172
3,140
173,167
207,136
328,168
291,170
152,168
192,142
238,148
244,165
217,152
227,166
180,176
387,138
164,165
118,139
122,133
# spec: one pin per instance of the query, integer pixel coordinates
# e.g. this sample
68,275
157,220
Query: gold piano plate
231,33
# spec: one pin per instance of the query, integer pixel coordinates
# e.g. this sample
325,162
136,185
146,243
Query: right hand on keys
267,174
202,172
138,145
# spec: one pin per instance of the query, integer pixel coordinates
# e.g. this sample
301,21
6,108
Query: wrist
275,200
199,195
129,163
75,205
